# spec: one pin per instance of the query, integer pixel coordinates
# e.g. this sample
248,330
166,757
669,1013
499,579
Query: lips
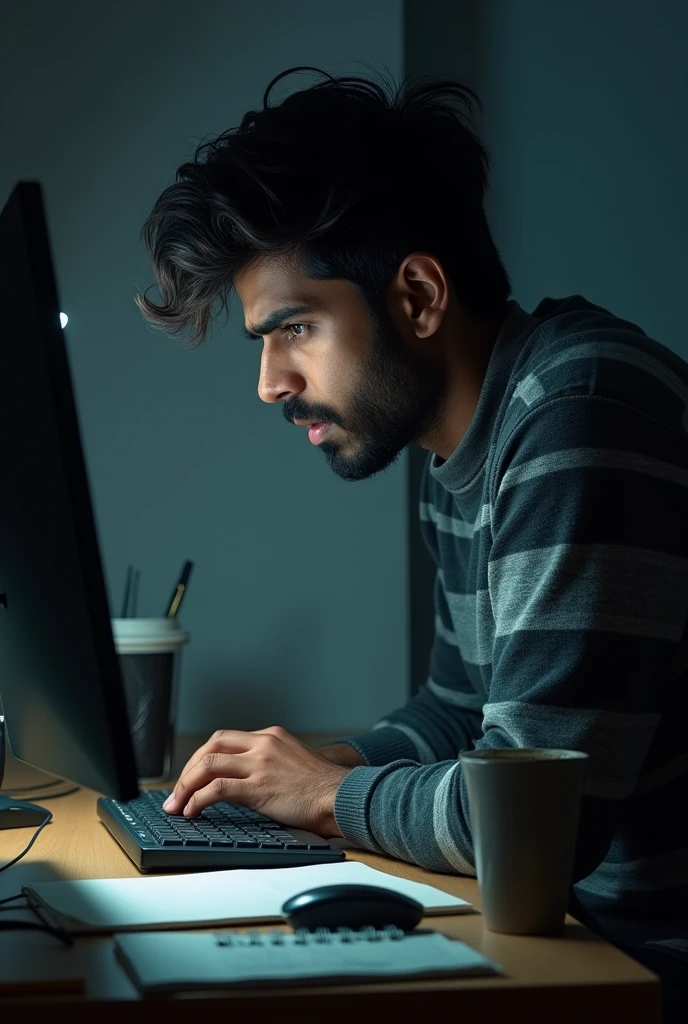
318,431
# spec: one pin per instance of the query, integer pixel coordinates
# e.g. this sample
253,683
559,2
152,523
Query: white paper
213,897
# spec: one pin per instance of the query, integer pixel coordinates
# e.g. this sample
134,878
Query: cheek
339,372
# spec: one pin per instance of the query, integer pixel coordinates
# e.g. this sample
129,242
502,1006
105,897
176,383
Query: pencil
179,590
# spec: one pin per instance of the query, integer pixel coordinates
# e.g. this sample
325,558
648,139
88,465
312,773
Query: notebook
184,961
208,898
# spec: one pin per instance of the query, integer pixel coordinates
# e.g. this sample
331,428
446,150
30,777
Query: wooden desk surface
557,980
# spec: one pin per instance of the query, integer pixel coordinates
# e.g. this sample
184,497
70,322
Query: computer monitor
60,684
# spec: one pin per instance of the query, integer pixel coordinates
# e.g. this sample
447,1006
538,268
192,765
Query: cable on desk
11,899
40,797
33,839
36,785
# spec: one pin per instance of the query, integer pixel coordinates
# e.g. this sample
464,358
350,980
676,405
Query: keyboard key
199,841
169,841
244,843
143,835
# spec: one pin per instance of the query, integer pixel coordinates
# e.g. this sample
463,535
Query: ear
419,295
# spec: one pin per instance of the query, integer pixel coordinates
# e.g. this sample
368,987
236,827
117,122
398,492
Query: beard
395,401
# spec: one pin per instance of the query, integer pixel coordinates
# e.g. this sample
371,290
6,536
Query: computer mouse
352,906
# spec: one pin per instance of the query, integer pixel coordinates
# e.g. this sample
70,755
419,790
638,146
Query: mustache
295,409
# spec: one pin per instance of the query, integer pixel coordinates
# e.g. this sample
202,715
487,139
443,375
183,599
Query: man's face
364,393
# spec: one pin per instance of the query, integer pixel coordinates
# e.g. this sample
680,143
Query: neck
467,354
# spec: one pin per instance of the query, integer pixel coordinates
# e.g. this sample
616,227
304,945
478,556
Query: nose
278,380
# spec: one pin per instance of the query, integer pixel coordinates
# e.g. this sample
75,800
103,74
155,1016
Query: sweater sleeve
588,584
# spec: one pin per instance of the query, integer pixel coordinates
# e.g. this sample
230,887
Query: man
350,223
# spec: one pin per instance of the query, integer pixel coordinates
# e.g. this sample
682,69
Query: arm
588,582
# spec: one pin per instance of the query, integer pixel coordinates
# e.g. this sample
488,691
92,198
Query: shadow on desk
21,874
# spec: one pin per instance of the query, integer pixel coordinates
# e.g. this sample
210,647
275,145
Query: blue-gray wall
585,118
297,607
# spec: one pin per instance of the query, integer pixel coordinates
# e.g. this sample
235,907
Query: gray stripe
592,458
485,516
469,700
623,354
444,523
665,871
444,806
462,609
617,743
485,630
473,621
529,389
425,752
673,769
590,587
445,634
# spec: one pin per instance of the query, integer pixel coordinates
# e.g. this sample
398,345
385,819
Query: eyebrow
274,319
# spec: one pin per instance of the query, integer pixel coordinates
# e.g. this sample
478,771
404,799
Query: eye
291,329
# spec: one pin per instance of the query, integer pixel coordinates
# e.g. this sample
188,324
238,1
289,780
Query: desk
573,978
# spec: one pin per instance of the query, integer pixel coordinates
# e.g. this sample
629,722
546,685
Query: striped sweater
559,527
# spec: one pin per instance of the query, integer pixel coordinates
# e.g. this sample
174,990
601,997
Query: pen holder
149,652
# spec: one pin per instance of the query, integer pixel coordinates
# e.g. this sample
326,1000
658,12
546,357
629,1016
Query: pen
127,592
135,593
178,592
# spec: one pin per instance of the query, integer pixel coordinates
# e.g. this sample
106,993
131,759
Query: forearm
417,813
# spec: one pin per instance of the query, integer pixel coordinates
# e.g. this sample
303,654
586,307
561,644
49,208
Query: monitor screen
60,684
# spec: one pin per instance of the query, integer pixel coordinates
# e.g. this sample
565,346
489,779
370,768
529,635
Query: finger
228,741
232,789
211,766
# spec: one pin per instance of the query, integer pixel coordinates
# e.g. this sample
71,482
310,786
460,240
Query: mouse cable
34,837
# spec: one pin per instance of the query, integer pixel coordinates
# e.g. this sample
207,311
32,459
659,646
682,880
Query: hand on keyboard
269,771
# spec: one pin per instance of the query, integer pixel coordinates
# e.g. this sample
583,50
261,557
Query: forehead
266,281
269,284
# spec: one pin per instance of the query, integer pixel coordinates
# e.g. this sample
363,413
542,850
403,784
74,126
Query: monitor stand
16,813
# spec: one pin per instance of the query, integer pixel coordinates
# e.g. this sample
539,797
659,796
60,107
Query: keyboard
224,836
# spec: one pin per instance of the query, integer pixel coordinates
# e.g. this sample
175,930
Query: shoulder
580,350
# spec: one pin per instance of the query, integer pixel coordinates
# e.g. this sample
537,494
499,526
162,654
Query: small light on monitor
63,320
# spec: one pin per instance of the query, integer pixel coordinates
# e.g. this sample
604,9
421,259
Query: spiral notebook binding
304,937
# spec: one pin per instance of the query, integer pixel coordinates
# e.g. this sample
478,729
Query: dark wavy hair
349,177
